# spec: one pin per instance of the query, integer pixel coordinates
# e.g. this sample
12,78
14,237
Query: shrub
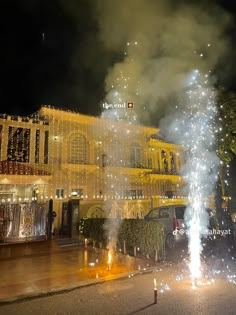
147,235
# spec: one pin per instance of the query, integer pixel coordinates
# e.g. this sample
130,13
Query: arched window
172,163
78,152
115,153
164,161
112,155
136,158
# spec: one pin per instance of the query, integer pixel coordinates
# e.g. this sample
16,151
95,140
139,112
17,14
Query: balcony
125,164
165,172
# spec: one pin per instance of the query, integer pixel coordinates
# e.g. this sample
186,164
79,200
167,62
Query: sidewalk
39,268
12,251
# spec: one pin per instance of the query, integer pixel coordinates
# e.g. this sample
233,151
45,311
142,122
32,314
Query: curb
65,289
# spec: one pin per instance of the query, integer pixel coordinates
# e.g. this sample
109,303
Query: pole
50,219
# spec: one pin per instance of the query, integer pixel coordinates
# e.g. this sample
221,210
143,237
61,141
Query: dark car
172,218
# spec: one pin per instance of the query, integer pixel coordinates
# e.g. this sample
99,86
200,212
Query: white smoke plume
159,43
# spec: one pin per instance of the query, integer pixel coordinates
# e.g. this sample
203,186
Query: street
133,293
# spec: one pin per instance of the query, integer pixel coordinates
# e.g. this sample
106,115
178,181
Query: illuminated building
102,162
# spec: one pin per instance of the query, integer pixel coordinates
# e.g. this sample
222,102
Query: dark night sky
56,70
65,69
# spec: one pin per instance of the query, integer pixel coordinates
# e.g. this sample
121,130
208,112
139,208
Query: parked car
172,218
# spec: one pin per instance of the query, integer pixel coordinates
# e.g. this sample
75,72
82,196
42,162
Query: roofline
152,130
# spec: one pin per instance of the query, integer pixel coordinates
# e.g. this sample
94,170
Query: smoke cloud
160,43
170,51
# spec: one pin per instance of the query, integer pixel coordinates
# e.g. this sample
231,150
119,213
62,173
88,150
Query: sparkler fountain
201,167
116,108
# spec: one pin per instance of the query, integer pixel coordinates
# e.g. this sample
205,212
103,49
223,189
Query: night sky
51,54
48,57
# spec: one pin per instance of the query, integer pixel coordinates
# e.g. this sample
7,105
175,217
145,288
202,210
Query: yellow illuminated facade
114,168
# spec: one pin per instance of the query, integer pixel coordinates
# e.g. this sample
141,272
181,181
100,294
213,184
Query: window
164,213
136,155
18,146
104,160
133,194
115,153
164,161
154,214
60,193
46,136
149,163
172,163
78,150
169,194
179,212
37,143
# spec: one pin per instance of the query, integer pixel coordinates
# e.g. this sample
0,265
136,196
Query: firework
198,136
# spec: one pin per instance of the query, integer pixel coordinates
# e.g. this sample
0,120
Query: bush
93,229
147,235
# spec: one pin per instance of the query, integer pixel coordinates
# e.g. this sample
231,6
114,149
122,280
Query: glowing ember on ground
109,260
155,283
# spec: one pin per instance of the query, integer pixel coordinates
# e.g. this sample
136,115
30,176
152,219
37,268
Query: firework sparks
201,167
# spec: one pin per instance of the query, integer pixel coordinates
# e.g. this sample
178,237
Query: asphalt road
135,295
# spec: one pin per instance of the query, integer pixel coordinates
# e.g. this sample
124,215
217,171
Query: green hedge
146,235
93,229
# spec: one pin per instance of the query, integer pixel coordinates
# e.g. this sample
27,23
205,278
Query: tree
226,146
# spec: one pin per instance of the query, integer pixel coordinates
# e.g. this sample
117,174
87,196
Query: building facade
114,168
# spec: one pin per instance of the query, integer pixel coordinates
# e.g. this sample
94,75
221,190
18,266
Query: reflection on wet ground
38,268
35,268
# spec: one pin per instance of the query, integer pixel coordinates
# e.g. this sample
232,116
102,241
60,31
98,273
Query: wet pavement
79,277
135,295
39,268
16,250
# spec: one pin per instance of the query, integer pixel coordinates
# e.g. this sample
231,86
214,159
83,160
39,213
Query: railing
34,120
165,172
126,164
